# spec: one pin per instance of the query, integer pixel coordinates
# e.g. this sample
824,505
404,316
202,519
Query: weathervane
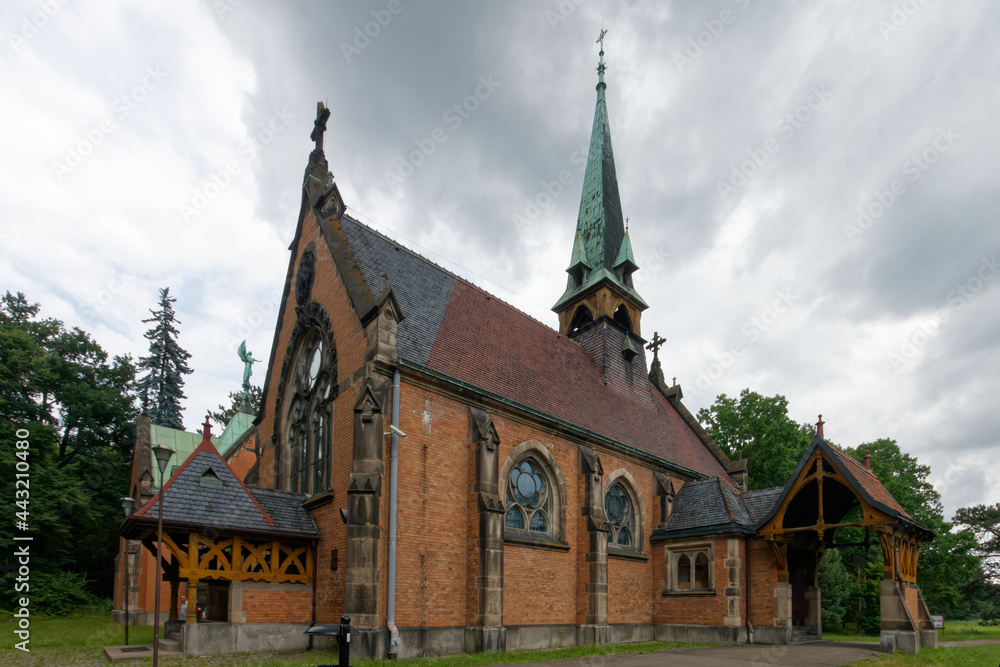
600,65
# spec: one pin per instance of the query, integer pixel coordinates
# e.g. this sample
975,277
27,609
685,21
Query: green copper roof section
184,442
600,229
579,259
625,257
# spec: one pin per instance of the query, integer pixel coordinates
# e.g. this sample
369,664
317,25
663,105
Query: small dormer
210,477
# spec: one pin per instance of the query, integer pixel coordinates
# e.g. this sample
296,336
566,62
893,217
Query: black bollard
345,641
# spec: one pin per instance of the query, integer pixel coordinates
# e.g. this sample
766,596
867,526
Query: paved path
971,642
817,654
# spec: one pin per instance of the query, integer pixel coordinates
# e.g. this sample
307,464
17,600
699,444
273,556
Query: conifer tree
161,387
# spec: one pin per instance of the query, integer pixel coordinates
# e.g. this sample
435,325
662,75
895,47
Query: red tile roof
868,481
494,346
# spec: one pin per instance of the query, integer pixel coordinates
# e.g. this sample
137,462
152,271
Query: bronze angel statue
248,362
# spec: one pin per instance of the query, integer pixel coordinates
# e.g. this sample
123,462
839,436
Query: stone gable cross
656,344
319,127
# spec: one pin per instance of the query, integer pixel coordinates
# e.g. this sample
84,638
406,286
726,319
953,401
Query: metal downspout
393,482
747,596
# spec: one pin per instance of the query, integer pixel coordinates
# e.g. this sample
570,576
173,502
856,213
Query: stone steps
804,636
167,644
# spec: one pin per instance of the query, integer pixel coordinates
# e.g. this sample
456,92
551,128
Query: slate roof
194,498
705,507
458,330
759,503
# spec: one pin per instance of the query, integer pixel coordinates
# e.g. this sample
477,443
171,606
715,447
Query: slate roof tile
193,497
459,330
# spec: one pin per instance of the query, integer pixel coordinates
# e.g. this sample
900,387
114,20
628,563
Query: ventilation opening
581,318
209,477
622,317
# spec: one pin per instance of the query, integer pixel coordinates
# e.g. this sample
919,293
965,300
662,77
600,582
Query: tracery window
528,497
308,420
620,513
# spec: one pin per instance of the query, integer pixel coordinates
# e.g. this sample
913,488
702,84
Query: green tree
58,386
161,387
758,428
951,568
983,522
238,403
839,588
870,615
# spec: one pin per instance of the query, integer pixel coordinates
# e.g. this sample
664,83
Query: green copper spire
601,241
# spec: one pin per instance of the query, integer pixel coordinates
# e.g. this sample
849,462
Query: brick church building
456,476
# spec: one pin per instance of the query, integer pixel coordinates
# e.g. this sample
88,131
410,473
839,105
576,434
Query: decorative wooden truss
198,556
805,506
239,558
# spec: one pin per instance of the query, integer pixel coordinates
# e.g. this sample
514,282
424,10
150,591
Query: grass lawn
84,630
69,640
986,655
954,631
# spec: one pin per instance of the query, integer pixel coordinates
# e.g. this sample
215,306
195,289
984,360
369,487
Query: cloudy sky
812,188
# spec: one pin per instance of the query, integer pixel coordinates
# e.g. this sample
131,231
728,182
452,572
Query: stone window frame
314,400
673,552
555,538
624,477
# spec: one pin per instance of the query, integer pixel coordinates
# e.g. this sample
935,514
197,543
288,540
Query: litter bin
340,630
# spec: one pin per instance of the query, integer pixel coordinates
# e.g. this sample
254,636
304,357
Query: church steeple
602,263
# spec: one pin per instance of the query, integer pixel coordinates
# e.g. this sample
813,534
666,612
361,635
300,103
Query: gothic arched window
528,497
621,516
307,423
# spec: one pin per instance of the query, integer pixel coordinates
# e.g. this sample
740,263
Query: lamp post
162,455
127,505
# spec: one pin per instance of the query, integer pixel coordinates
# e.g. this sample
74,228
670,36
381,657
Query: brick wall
763,580
329,291
911,594
262,606
436,519
693,609
630,582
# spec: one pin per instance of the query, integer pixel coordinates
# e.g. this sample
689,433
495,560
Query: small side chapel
456,476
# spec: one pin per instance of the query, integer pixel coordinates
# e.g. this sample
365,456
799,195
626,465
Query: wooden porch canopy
827,485
215,528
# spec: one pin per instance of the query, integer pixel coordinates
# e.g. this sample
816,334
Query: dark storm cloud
757,147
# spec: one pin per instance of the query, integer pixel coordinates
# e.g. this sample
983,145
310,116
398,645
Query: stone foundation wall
223,638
